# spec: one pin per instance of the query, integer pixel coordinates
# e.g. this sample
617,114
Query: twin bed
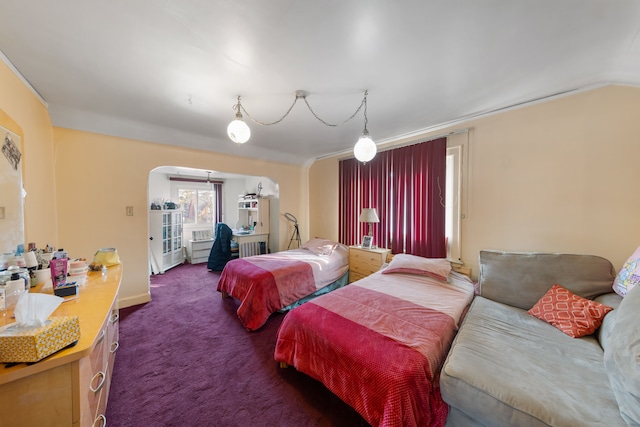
280,281
378,344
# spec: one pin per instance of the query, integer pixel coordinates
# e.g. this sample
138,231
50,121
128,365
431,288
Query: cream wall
556,176
98,176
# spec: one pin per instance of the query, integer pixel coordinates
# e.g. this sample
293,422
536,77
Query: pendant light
238,130
364,150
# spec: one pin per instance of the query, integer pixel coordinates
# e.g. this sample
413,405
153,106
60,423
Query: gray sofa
508,368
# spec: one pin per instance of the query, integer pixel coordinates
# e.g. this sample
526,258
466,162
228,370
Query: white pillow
320,246
438,268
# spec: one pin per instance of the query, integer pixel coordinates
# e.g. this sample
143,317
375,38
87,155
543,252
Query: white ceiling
170,71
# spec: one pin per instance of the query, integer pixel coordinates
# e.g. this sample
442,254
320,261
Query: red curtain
217,193
406,186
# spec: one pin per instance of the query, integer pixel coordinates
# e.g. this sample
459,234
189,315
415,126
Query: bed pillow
572,314
438,268
321,247
629,275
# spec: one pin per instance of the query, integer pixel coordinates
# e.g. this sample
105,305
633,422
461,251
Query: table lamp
369,215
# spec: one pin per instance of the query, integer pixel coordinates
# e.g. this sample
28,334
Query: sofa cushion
622,357
572,314
507,368
606,329
520,279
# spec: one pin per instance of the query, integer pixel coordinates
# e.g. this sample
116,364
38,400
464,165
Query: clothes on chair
221,250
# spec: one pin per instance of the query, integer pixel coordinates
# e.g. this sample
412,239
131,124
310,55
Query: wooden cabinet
69,388
363,262
198,250
165,235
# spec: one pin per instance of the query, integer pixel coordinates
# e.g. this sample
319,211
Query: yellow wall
557,176
98,176
30,116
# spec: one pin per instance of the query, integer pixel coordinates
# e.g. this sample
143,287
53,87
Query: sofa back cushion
622,357
520,279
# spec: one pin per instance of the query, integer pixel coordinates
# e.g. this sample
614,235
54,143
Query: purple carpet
185,360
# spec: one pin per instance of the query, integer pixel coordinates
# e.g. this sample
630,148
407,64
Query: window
198,206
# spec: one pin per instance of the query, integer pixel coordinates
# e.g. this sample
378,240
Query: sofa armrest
520,279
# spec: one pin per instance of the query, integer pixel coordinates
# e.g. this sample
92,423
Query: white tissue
33,309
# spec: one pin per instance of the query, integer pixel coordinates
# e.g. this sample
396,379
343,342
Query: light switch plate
1,212
129,210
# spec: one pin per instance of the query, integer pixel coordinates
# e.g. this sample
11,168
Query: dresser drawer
363,262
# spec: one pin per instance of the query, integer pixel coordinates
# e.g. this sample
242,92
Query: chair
221,250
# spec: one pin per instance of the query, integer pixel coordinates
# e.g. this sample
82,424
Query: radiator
249,249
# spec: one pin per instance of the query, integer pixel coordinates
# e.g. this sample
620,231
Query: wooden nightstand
363,262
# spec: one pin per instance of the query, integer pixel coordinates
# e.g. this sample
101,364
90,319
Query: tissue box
33,344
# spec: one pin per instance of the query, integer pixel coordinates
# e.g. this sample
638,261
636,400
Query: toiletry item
58,268
16,283
30,259
14,288
60,253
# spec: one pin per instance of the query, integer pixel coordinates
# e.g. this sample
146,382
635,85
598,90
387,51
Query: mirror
11,192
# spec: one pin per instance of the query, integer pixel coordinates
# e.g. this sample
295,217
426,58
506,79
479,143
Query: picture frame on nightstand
367,242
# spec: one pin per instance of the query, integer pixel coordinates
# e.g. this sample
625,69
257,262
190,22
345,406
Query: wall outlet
129,210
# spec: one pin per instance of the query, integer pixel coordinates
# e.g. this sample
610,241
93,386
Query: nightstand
363,262
199,250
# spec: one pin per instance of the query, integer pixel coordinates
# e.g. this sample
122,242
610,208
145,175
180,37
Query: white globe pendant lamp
238,130
365,149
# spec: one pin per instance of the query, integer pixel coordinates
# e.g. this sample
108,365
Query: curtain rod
406,143
429,138
210,181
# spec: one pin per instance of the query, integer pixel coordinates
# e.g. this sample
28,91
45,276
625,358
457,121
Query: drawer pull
100,377
114,346
114,317
102,419
102,334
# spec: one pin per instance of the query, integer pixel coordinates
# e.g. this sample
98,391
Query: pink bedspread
265,284
379,344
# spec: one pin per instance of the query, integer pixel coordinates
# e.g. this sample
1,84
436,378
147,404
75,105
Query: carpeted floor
185,360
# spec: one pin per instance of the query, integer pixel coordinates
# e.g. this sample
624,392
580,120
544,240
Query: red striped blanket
379,344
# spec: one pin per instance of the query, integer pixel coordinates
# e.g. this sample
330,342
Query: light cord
239,107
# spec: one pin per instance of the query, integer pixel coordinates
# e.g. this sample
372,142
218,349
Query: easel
296,232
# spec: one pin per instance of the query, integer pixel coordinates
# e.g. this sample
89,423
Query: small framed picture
367,242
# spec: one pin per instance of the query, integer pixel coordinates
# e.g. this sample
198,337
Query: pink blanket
379,345
264,285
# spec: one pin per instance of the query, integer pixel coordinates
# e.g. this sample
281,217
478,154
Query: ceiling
170,71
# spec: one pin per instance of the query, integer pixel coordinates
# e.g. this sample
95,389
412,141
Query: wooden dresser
363,262
70,387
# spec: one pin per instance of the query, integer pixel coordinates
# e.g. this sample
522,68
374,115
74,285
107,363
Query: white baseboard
135,300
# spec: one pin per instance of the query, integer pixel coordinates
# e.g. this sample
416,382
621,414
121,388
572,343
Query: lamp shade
238,131
365,149
369,215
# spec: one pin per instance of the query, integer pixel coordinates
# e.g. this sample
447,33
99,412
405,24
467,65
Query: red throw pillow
572,314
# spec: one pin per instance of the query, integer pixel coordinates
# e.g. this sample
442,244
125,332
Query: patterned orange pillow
572,314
